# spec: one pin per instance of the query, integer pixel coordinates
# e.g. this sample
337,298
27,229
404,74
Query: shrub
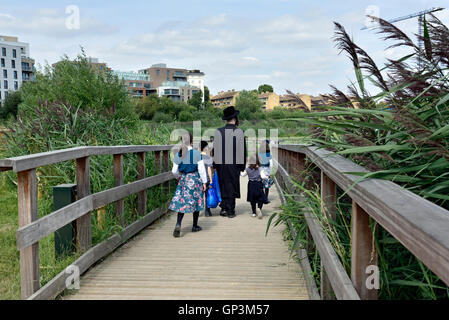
185,116
10,105
161,117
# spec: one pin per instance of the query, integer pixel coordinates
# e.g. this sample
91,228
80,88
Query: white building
15,64
196,79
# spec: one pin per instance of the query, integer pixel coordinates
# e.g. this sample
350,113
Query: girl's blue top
264,159
189,163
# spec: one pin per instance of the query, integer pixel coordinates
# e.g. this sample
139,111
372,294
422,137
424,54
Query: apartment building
177,90
289,102
196,79
225,99
15,64
166,79
138,84
269,100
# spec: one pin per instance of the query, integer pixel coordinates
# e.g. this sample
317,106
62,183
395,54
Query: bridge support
29,257
328,208
141,196
83,224
363,252
118,181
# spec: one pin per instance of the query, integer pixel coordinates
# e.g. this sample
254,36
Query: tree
147,107
249,105
11,104
265,88
206,94
78,84
196,100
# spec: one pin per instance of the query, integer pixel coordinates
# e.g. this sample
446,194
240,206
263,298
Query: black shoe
196,229
223,213
232,215
177,232
207,213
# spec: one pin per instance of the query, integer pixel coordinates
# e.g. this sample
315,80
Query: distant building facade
177,90
138,84
175,83
225,99
290,102
269,100
16,65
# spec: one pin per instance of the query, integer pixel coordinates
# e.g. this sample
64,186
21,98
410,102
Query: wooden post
363,252
118,181
166,168
83,224
328,208
141,196
27,207
157,164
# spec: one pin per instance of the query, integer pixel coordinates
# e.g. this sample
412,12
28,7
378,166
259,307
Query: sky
238,44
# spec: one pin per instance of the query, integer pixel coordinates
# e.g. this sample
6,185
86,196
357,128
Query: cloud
52,23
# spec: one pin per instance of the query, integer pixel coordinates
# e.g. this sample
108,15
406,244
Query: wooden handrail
420,225
31,229
37,160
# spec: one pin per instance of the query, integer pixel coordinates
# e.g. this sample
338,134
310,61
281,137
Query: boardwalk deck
229,259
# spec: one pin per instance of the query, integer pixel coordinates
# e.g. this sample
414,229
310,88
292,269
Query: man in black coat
229,160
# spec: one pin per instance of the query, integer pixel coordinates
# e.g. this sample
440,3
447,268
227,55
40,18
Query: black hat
230,113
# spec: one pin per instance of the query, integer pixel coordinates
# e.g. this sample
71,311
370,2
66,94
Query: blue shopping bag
212,200
216,187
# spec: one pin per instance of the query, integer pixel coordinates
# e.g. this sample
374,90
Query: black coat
229,159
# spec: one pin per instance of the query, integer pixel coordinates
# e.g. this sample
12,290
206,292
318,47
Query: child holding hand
256,194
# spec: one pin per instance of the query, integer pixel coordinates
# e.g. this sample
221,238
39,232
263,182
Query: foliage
249,105
265,88
148,106
10,105
78,84
196,100
185,116
401,134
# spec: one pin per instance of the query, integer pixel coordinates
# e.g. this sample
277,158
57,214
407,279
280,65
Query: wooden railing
418,224
31,229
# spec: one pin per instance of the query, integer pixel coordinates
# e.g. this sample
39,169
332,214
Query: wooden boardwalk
229,259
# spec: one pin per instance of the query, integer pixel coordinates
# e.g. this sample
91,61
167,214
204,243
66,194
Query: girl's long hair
254,162
264,147
186,141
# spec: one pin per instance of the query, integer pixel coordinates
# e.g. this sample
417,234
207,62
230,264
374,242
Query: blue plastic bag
212,200
216,187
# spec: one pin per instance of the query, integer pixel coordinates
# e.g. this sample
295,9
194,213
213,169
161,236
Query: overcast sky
239,44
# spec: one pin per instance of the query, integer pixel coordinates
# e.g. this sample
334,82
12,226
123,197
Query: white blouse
201,169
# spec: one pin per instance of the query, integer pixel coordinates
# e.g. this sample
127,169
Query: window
13,64
14,53
5,73
158,72
5,84
16,85
3,62
15,74
4,52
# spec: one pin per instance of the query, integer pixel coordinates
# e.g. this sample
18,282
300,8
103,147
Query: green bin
65,242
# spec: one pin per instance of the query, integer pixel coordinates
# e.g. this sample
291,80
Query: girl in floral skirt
189,167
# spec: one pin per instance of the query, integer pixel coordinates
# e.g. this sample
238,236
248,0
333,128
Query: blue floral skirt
189,194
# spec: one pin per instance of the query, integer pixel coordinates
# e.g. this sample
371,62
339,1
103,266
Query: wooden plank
363,252
27,207
118,181
32,161
43,227
57,284
83,223
328,208
301,254
340,281
420,225
142,195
